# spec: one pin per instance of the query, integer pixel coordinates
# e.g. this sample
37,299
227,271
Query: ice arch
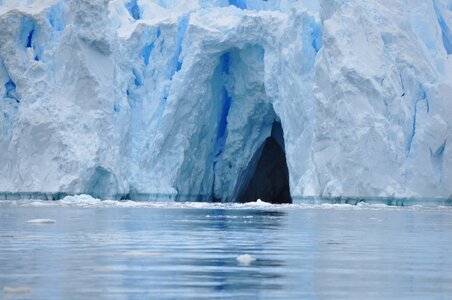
233,135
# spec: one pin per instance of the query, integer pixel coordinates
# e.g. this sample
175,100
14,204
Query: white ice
245,259
172,99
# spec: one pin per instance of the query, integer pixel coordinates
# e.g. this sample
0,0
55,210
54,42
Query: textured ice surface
173,99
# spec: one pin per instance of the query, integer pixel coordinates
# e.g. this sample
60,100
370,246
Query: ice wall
383,92
174,99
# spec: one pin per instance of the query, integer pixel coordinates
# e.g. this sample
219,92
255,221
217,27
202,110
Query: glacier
177,99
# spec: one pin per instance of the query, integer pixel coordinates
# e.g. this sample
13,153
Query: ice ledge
389,201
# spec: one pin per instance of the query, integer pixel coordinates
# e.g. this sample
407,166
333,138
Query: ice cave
239,151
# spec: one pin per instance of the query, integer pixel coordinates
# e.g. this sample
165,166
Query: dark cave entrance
267,176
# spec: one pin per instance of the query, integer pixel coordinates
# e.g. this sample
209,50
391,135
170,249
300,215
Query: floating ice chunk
80,198
41,221
84,200
259,202
39,203
16,290
245,259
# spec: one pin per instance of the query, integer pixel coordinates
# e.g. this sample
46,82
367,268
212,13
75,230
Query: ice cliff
181,98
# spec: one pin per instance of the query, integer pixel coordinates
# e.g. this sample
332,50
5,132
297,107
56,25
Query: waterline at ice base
227,101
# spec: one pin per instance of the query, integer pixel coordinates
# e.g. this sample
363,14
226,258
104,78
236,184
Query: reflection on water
191,253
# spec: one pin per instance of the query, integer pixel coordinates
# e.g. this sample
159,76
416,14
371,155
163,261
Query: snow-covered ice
174,99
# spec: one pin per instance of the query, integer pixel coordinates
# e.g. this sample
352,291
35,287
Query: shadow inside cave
267,174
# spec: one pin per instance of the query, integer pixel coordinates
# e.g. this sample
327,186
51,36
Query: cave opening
267,175
236,151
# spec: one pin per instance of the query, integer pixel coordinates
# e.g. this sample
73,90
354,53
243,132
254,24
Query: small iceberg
260,202
245,259
81,200
41,221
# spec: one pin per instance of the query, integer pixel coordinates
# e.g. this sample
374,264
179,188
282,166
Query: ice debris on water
81,200
245,259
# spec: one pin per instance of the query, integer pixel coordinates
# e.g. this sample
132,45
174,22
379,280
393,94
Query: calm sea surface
131,250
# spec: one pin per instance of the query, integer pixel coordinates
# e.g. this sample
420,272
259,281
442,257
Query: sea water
167,250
